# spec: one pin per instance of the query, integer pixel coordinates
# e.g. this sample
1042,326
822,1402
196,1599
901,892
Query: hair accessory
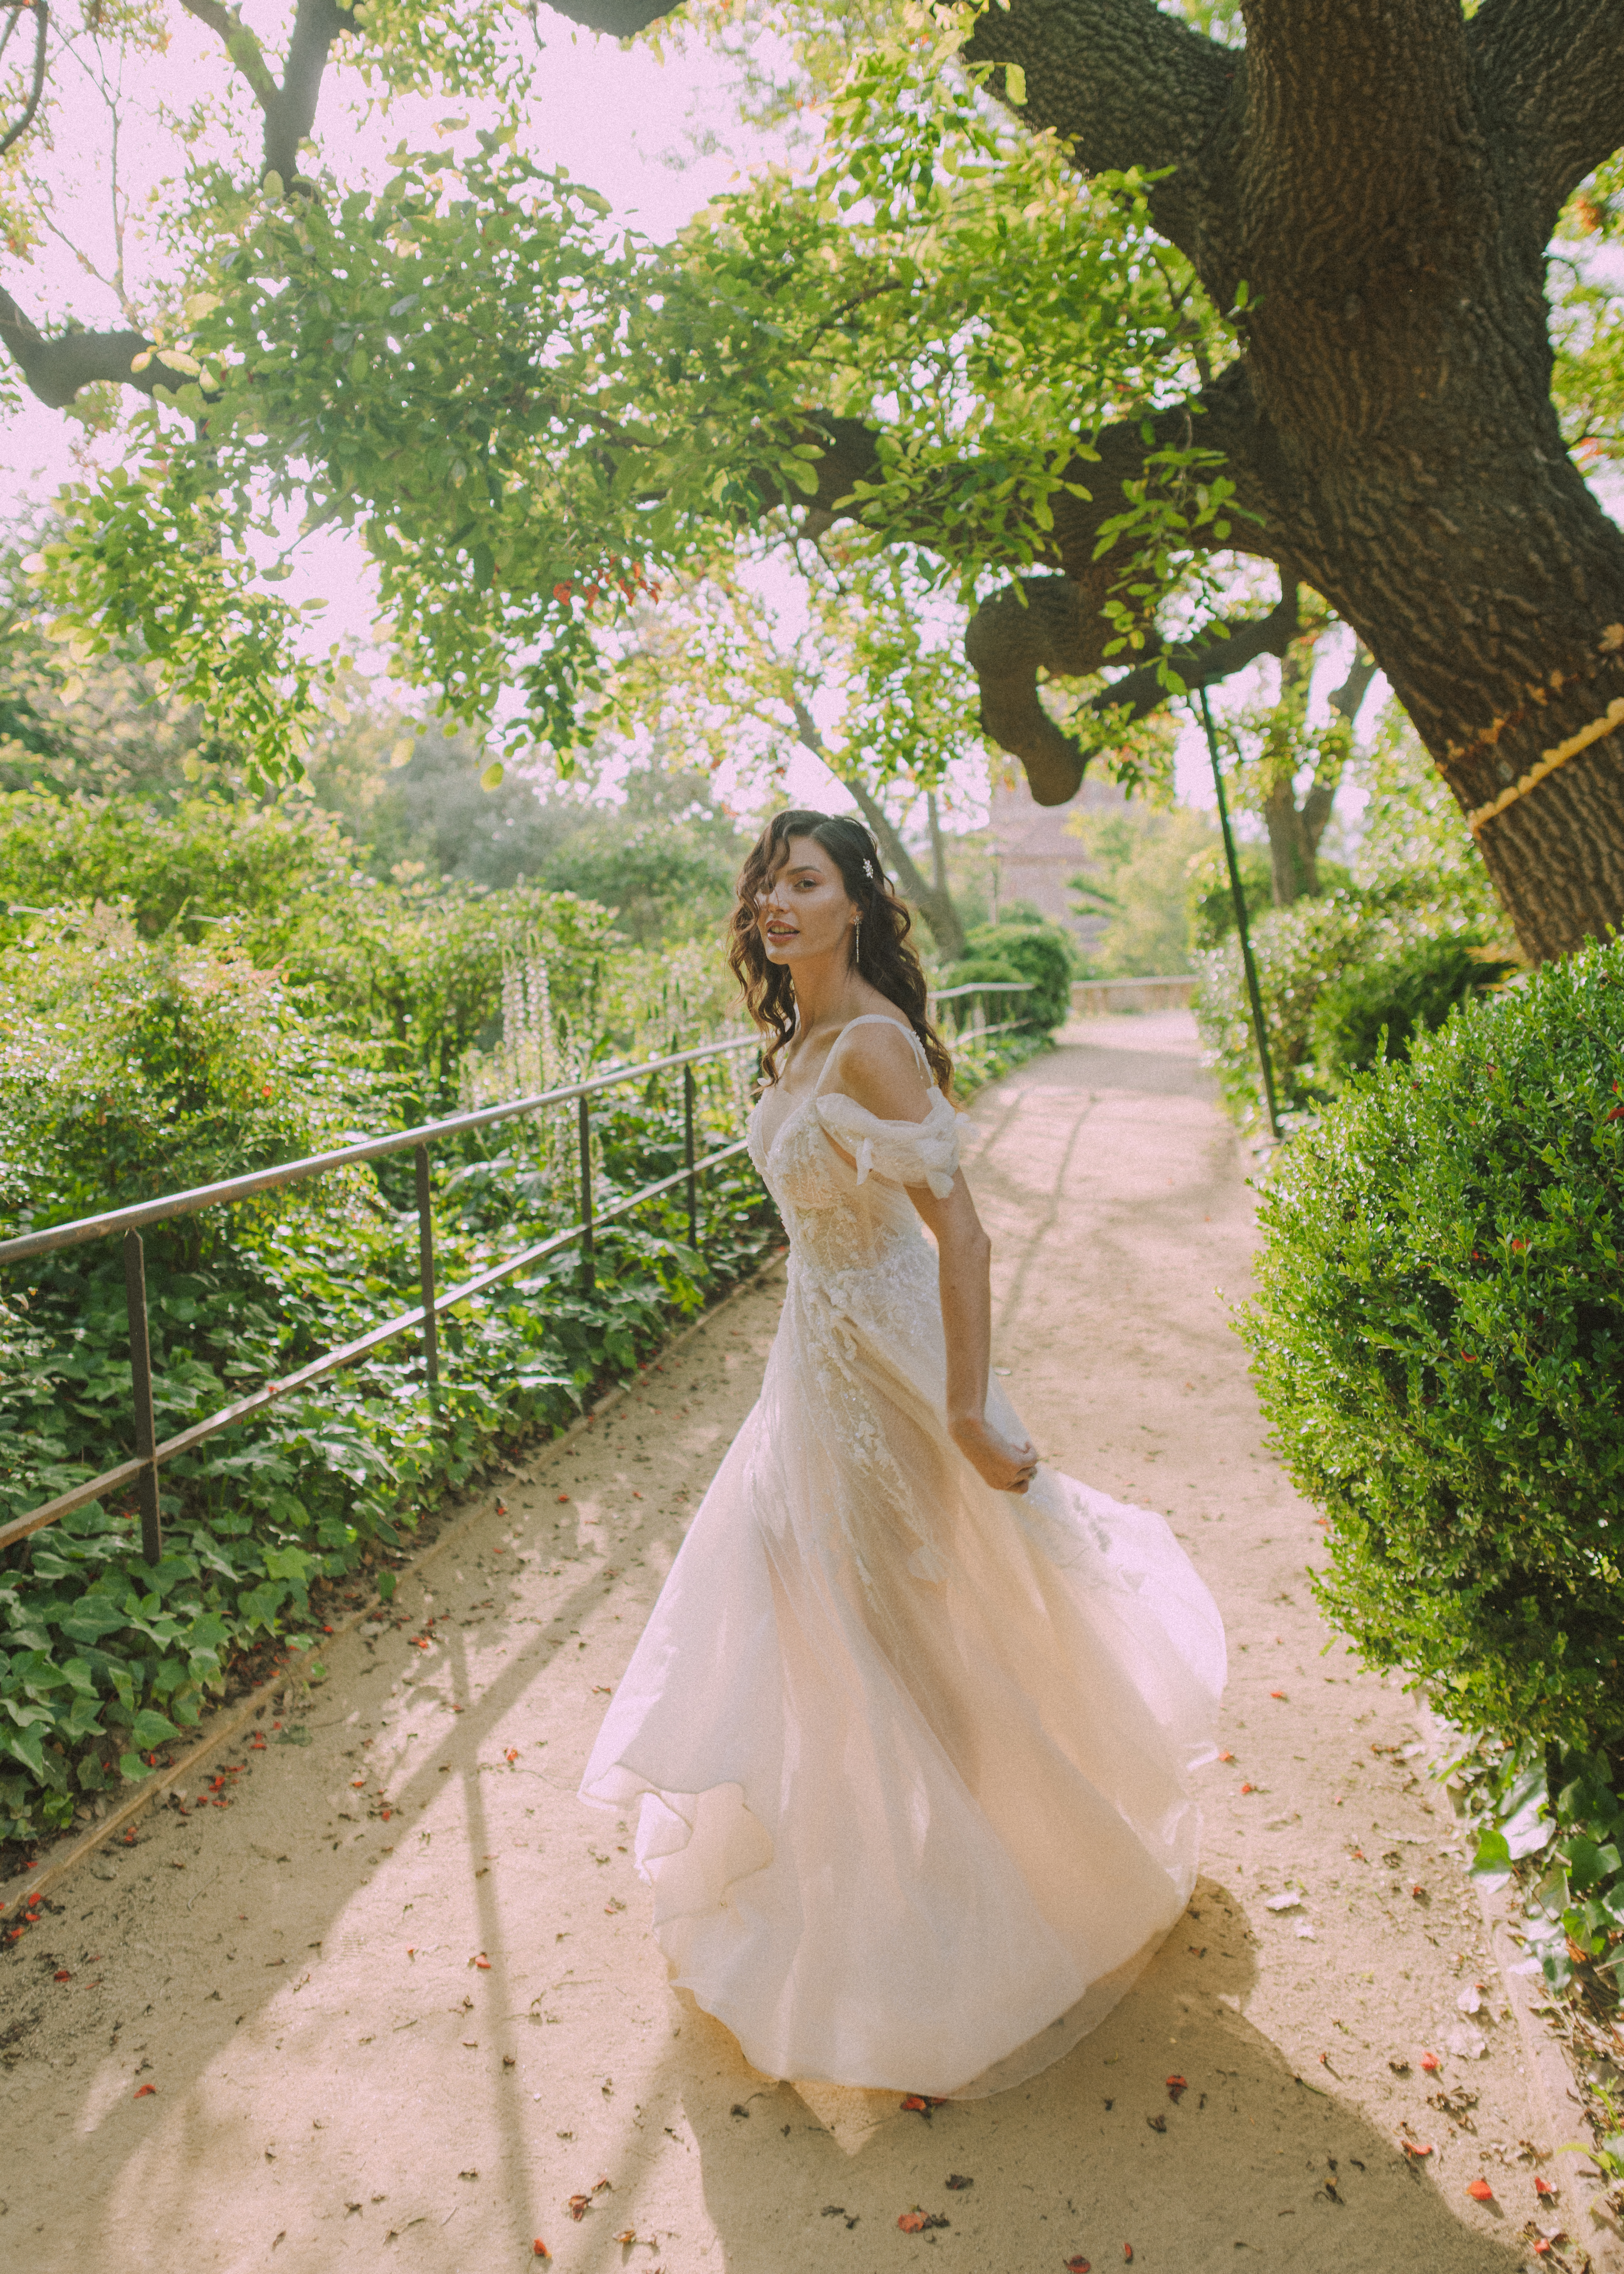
868,870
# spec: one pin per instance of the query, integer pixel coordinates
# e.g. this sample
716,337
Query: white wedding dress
914,1756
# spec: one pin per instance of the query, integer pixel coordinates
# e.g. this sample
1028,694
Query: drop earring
857,945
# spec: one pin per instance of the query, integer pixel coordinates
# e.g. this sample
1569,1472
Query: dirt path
399,2003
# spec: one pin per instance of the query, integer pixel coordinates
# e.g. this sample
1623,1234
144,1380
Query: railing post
141,1386
687,1148
425,1268
587,1274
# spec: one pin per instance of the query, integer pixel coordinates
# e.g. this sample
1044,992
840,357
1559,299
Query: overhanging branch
1550,69
36,83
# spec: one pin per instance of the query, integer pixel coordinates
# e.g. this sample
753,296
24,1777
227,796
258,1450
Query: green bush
1301,954
1041,953
1436,1337
131,1066
1399,996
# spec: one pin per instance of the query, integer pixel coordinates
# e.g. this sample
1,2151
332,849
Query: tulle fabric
913,1758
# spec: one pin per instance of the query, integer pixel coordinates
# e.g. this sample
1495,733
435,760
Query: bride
913,1722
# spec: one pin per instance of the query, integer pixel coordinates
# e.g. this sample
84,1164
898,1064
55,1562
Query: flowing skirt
913,1756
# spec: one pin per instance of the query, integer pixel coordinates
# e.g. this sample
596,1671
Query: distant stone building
1035,860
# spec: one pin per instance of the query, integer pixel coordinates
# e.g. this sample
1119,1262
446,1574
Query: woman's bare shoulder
877,1064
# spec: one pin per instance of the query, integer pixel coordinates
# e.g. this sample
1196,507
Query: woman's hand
996,1459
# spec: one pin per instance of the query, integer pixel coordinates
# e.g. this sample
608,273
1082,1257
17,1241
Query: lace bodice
848,1223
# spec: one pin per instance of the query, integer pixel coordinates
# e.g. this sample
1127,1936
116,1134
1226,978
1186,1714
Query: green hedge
1039,953
1438,1336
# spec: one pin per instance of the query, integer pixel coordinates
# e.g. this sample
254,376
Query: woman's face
804,911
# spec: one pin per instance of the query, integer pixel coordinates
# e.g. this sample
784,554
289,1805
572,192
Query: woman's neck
828,992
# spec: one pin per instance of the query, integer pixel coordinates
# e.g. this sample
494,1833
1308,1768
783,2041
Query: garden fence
150,1455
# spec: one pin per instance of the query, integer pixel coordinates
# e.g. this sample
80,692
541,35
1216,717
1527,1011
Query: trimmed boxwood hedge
1438,1338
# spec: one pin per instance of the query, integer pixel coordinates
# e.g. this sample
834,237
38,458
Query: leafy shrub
1400,995
131,1066
1436,1337
1041,953
1301,952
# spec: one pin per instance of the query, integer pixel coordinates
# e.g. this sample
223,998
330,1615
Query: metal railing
151,1454
980,1029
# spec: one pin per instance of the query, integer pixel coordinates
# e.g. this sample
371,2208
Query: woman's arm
881,1073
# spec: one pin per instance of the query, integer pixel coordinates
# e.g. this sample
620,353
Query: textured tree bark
1384,176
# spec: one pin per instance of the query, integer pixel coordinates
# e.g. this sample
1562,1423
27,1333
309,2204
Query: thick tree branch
1126,85
1218,654
56,369
1009,643
1549,71
618,18
290,108
1363,155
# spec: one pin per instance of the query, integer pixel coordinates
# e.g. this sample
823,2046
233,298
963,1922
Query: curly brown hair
885,956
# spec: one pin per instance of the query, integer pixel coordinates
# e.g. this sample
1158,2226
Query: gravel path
397,2003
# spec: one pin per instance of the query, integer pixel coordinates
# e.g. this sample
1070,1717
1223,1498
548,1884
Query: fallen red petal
62,1975
912,2222
538,2249
1481,2191
1543,2187
141,2091
1077,2266
1431,2063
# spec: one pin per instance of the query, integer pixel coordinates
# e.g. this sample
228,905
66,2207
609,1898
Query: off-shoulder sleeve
906,1152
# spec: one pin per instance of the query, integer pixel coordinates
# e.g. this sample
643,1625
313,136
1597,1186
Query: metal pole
688,1144
141,1386
587,1274
425,1268
1238,894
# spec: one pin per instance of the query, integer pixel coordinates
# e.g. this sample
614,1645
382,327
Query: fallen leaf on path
1157,2123
62,1975
1246,1787
563,1496
1077,2266
1543,2188
141,2091
482,1962
1177,2085
920,2222
579,2206
1416,2147
602,1689
1127,2252
1480,2191
538,2249
957,2180
512,1753
1277,1693
1431,2063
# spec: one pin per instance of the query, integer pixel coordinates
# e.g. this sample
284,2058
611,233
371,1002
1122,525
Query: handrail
317,1164
150,1455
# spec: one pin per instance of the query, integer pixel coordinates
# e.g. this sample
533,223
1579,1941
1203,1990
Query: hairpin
868,870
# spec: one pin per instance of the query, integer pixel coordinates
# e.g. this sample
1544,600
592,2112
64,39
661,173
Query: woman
913,1722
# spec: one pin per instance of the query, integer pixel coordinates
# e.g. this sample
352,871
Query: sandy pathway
404,2039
